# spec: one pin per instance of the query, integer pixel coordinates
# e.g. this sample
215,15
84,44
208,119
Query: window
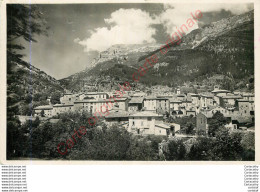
142,123
133,123
149,119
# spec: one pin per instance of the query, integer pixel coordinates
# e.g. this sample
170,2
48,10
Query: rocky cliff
225,47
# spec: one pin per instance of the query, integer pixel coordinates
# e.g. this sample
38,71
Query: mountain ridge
28,87
211,50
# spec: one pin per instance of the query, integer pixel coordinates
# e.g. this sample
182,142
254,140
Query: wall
162,105
63,109
141,123
47,112
150,105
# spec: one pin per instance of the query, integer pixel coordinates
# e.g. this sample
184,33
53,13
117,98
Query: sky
78,32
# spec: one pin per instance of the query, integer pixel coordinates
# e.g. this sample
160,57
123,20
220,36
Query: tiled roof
162,125
242,119
232,97
62,105
43,107
248,94
174,100
162,98
95,101
136,100
194,95
242,100
145,114
150,98
95,93
206,94
181,95
187,101
121,99
208,115
117,113
220,91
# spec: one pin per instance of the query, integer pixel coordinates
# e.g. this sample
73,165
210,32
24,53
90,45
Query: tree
187,123
189,128
248,144
55,97
140,149
216,122
228,145
23,21
202,149
176,150
13,134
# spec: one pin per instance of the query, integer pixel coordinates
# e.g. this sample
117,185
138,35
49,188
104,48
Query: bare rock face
225,47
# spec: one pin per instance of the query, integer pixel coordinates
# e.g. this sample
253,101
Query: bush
202,149
175,150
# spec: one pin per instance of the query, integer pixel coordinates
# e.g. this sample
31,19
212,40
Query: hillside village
195,103
145,113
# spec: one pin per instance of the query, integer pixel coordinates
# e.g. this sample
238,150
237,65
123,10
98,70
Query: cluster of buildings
143,114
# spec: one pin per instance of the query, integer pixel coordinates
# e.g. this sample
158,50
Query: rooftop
194,95
242,119
181,95
95,93
174,100
248,94
145,114
150,98
206,94
162,125
63,105
232,97
94,101
220,91
242,100
136,100
117,113
46,107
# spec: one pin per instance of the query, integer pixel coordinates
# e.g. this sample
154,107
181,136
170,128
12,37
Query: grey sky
75,30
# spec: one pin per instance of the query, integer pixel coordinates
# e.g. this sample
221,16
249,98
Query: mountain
224,48
28,87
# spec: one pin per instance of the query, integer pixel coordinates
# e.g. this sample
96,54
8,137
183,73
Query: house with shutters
147,123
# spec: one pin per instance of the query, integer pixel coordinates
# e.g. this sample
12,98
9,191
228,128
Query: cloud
174,15
76,40
126,26
136,26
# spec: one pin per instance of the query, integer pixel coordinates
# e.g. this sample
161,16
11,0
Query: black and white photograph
130,82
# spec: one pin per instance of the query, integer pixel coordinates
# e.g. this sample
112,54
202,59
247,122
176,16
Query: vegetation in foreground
36,139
